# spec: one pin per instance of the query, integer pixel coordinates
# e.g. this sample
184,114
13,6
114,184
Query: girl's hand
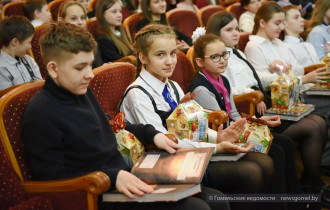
318,75
232,133
261,108
182,45
280,66
228,147
327,47
272,121
128,184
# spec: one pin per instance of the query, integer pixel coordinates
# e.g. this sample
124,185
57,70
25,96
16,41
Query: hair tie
200,31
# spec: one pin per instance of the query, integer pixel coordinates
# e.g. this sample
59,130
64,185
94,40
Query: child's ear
143,58
36,14
262,23
52,69
199,62
14,42
60,19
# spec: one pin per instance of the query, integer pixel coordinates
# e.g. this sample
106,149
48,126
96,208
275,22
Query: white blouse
261,52
238,73
303,52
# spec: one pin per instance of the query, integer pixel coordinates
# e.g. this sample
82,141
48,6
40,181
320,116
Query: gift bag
189,120
128,145
258,133
285,91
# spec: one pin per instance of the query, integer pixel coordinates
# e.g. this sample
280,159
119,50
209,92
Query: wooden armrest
313,67
130,59
253,98
4,91
94,183
216,118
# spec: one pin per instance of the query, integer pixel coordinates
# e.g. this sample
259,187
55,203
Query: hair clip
200,31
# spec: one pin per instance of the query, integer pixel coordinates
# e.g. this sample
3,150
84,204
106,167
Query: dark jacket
67,135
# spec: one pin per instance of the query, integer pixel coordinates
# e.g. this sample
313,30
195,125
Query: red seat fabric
205,13
109,84
183,73
13,8
35,47
185,21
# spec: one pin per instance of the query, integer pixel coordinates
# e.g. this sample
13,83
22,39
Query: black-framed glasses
217,57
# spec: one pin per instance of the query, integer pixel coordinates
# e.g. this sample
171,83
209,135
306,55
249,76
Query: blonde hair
321,7
145,37
122,43
62,11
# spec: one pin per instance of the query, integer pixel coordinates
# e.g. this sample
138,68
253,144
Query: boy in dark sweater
66,133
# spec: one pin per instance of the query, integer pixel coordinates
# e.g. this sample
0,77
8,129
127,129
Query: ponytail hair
265,12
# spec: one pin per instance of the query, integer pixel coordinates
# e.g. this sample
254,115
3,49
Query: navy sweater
67,135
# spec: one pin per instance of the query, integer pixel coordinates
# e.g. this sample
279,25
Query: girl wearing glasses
156,50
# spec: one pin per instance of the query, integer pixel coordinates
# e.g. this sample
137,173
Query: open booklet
174,176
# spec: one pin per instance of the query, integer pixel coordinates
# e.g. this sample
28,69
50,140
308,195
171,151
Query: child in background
264,51
16,67
154,12
304,52
37,11
112,40
318,28
66,133
187,5
156,50
72,12
246,20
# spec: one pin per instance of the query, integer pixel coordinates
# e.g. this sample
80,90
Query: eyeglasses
217,57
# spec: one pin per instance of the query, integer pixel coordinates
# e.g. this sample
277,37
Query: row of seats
75,193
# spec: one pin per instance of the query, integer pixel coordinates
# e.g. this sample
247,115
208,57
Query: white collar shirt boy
13,72
304,52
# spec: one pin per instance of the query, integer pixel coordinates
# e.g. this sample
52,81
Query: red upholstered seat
13,8
35,48
92,27
243,40
236,8
206,12
12,194
75,193
202,3
184,72
109,84
130,24
185,21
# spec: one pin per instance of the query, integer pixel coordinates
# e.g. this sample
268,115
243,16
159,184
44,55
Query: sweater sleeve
145,133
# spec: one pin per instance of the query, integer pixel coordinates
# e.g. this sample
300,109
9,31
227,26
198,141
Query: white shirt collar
291,39
262,40
153,82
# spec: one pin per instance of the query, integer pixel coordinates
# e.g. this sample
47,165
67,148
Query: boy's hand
261,108
232,133
272,121
228,147
128,184
163,142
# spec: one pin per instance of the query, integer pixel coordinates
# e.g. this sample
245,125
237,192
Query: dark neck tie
252,69
169,98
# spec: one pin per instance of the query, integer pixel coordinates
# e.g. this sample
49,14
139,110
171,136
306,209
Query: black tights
311,133
253,173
